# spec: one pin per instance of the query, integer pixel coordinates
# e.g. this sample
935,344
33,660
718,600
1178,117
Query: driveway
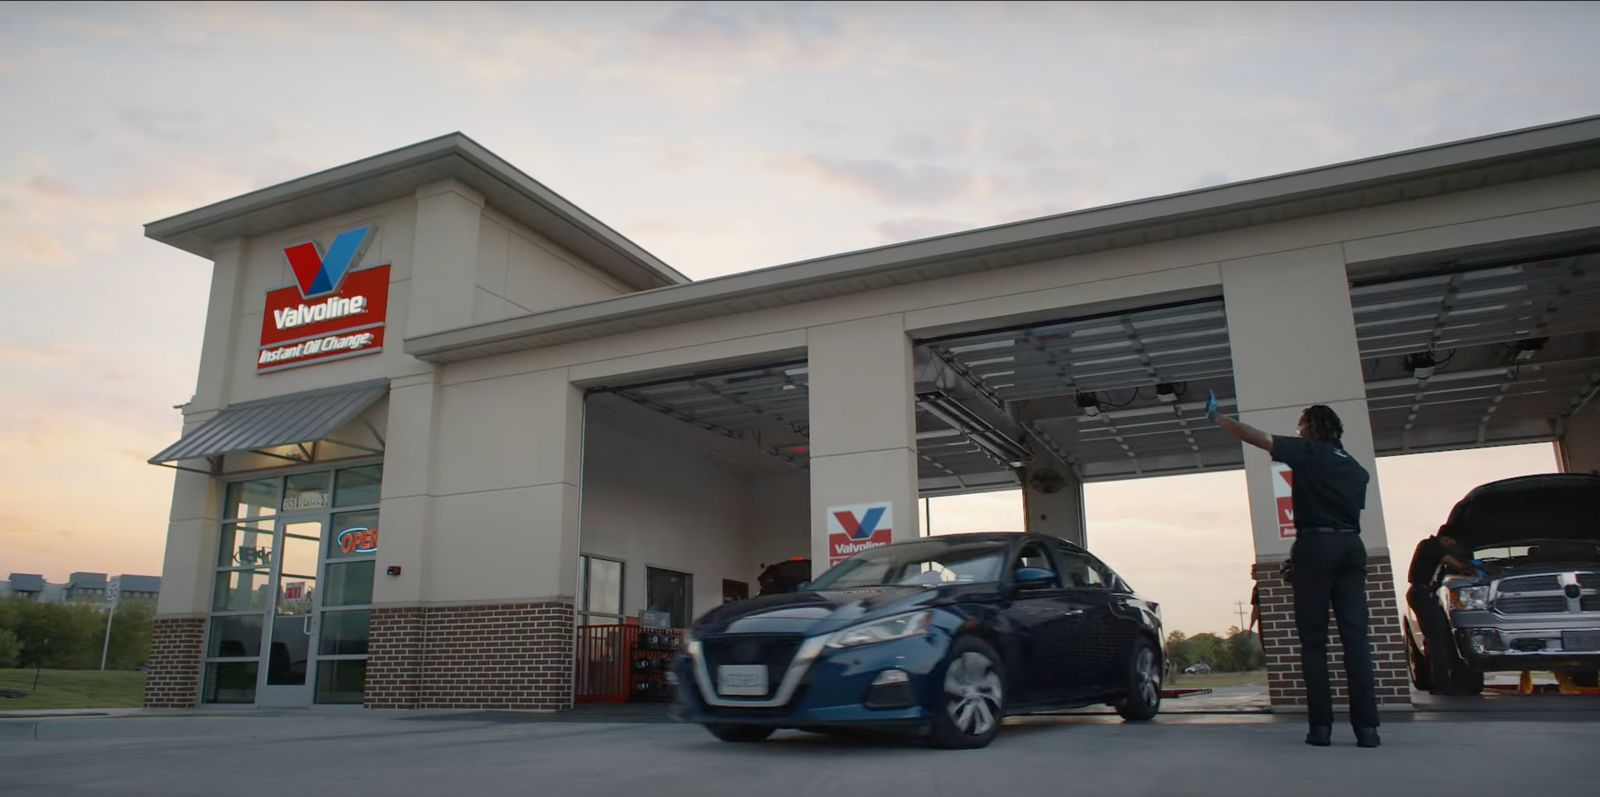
324,752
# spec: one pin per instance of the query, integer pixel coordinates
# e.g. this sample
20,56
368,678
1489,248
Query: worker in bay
1436,557
1328,562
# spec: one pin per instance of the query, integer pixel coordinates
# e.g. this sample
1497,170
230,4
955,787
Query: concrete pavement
332,752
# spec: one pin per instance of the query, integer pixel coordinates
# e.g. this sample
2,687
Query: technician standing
1328,561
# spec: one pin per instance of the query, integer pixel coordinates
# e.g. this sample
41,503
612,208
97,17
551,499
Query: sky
721,137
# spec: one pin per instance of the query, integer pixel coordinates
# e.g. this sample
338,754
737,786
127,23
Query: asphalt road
371,754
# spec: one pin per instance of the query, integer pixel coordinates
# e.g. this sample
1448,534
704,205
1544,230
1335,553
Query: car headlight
1469,598
900,626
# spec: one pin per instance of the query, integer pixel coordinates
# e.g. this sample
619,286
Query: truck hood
1557,506
813,613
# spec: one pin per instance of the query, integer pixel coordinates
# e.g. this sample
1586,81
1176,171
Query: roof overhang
397,174
1474,163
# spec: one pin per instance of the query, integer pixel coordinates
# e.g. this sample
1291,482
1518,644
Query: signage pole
113,588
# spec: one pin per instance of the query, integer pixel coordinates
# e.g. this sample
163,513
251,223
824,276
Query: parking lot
312,752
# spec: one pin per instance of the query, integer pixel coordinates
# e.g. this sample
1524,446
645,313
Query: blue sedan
944,635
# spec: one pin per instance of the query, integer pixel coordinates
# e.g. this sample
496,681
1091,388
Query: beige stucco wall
520,271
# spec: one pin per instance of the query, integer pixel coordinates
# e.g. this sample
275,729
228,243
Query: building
443,415
81,587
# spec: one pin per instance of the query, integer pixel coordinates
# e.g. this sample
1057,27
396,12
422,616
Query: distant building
80,587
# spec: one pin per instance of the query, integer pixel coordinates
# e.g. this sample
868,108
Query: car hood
1564,506
819,612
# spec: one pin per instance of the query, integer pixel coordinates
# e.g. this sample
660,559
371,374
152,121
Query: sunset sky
721,137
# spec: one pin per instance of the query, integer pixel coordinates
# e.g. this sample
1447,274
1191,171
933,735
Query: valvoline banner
856,528
330,312
1283,496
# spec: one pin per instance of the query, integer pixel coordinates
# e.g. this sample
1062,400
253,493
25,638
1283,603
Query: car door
1103,633
1044,624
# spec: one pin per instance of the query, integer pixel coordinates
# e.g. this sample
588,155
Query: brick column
502,656
172,676
1285,683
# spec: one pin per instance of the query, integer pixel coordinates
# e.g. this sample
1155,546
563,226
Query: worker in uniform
1436,557
1328,563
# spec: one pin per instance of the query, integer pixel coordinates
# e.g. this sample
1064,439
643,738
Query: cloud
892,182
914,227
51,187
44,250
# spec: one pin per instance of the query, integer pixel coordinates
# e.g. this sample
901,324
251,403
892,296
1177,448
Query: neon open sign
360,540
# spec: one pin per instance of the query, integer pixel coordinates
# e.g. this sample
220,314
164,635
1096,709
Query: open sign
360,540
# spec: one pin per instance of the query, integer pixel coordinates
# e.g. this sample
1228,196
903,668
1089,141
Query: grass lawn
73,689
1212,680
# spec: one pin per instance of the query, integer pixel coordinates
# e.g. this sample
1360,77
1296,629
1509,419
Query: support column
487,620
174,674
1292,334
863,425
1578,449
1058,512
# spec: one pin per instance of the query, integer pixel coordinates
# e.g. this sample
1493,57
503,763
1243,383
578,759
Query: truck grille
773,650
1590,603
1589,580
1551,583
1532,605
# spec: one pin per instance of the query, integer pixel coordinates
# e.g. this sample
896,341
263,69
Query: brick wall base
1284,681
172,677
501,655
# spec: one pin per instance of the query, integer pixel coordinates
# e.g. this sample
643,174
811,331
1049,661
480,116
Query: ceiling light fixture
1421,365
1089,403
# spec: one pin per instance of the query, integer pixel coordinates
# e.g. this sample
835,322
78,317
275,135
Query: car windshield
924,563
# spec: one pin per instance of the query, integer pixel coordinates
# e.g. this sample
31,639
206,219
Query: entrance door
291,631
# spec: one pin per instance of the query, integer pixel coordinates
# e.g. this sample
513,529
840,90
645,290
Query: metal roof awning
294,420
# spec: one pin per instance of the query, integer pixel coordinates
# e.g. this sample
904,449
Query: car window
1034,556
1082,570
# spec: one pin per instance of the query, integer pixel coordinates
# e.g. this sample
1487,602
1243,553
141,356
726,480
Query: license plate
1580,640
749,680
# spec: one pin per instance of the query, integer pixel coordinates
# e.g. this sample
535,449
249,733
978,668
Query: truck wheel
740,733
1421,675
1465,679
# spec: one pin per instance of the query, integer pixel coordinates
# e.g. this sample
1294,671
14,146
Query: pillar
1293,339
1052,503
1578,448
863,426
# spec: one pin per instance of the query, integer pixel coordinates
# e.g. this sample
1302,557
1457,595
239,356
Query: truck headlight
900,626
1469,598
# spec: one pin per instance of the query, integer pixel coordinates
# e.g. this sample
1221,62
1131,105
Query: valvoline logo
853,529
319,273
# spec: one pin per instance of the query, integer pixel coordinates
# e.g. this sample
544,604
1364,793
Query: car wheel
1588,679
1421,675
973,702
740,733
1143,699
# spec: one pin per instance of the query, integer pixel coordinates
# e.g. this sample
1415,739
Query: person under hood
1435,557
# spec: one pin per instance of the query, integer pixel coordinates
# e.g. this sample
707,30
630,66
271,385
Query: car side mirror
1033,578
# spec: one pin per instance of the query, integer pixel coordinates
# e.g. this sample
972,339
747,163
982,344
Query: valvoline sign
853,529
330,312
1283,496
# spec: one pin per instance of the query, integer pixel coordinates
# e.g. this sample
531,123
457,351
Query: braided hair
1324,423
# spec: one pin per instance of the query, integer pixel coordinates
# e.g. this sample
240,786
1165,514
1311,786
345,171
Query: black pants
1332,568
1436,631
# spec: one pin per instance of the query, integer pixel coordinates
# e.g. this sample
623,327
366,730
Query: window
669,591
599,590
1082,570
1033,556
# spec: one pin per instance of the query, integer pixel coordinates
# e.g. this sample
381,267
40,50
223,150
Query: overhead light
1421,365
1167,392
1089,403
1529,347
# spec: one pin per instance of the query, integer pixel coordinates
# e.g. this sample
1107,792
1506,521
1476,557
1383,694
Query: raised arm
1245,433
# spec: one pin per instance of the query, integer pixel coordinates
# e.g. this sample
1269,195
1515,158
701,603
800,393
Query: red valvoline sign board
853,529
330,312
1283,496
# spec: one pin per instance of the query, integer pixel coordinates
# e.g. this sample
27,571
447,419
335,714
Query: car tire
1143,698
971,701
1587,679
1417,662
742,734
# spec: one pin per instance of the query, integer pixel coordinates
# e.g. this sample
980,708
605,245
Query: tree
131,631
10,649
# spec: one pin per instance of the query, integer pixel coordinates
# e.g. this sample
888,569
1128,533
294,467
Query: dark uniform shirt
1330,486
1425,561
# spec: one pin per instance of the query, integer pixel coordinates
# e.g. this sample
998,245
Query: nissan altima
944,635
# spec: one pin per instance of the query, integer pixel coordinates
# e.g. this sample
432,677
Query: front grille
1589,580
1590,603
1550,583
773,650
1533,605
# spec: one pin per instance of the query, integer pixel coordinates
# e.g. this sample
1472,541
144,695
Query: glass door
292,620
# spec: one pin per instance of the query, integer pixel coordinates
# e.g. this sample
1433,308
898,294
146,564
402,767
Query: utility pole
1241,605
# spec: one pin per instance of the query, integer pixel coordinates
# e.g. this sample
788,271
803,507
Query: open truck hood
1556,506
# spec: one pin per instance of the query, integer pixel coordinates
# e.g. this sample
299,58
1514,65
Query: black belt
1327,530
